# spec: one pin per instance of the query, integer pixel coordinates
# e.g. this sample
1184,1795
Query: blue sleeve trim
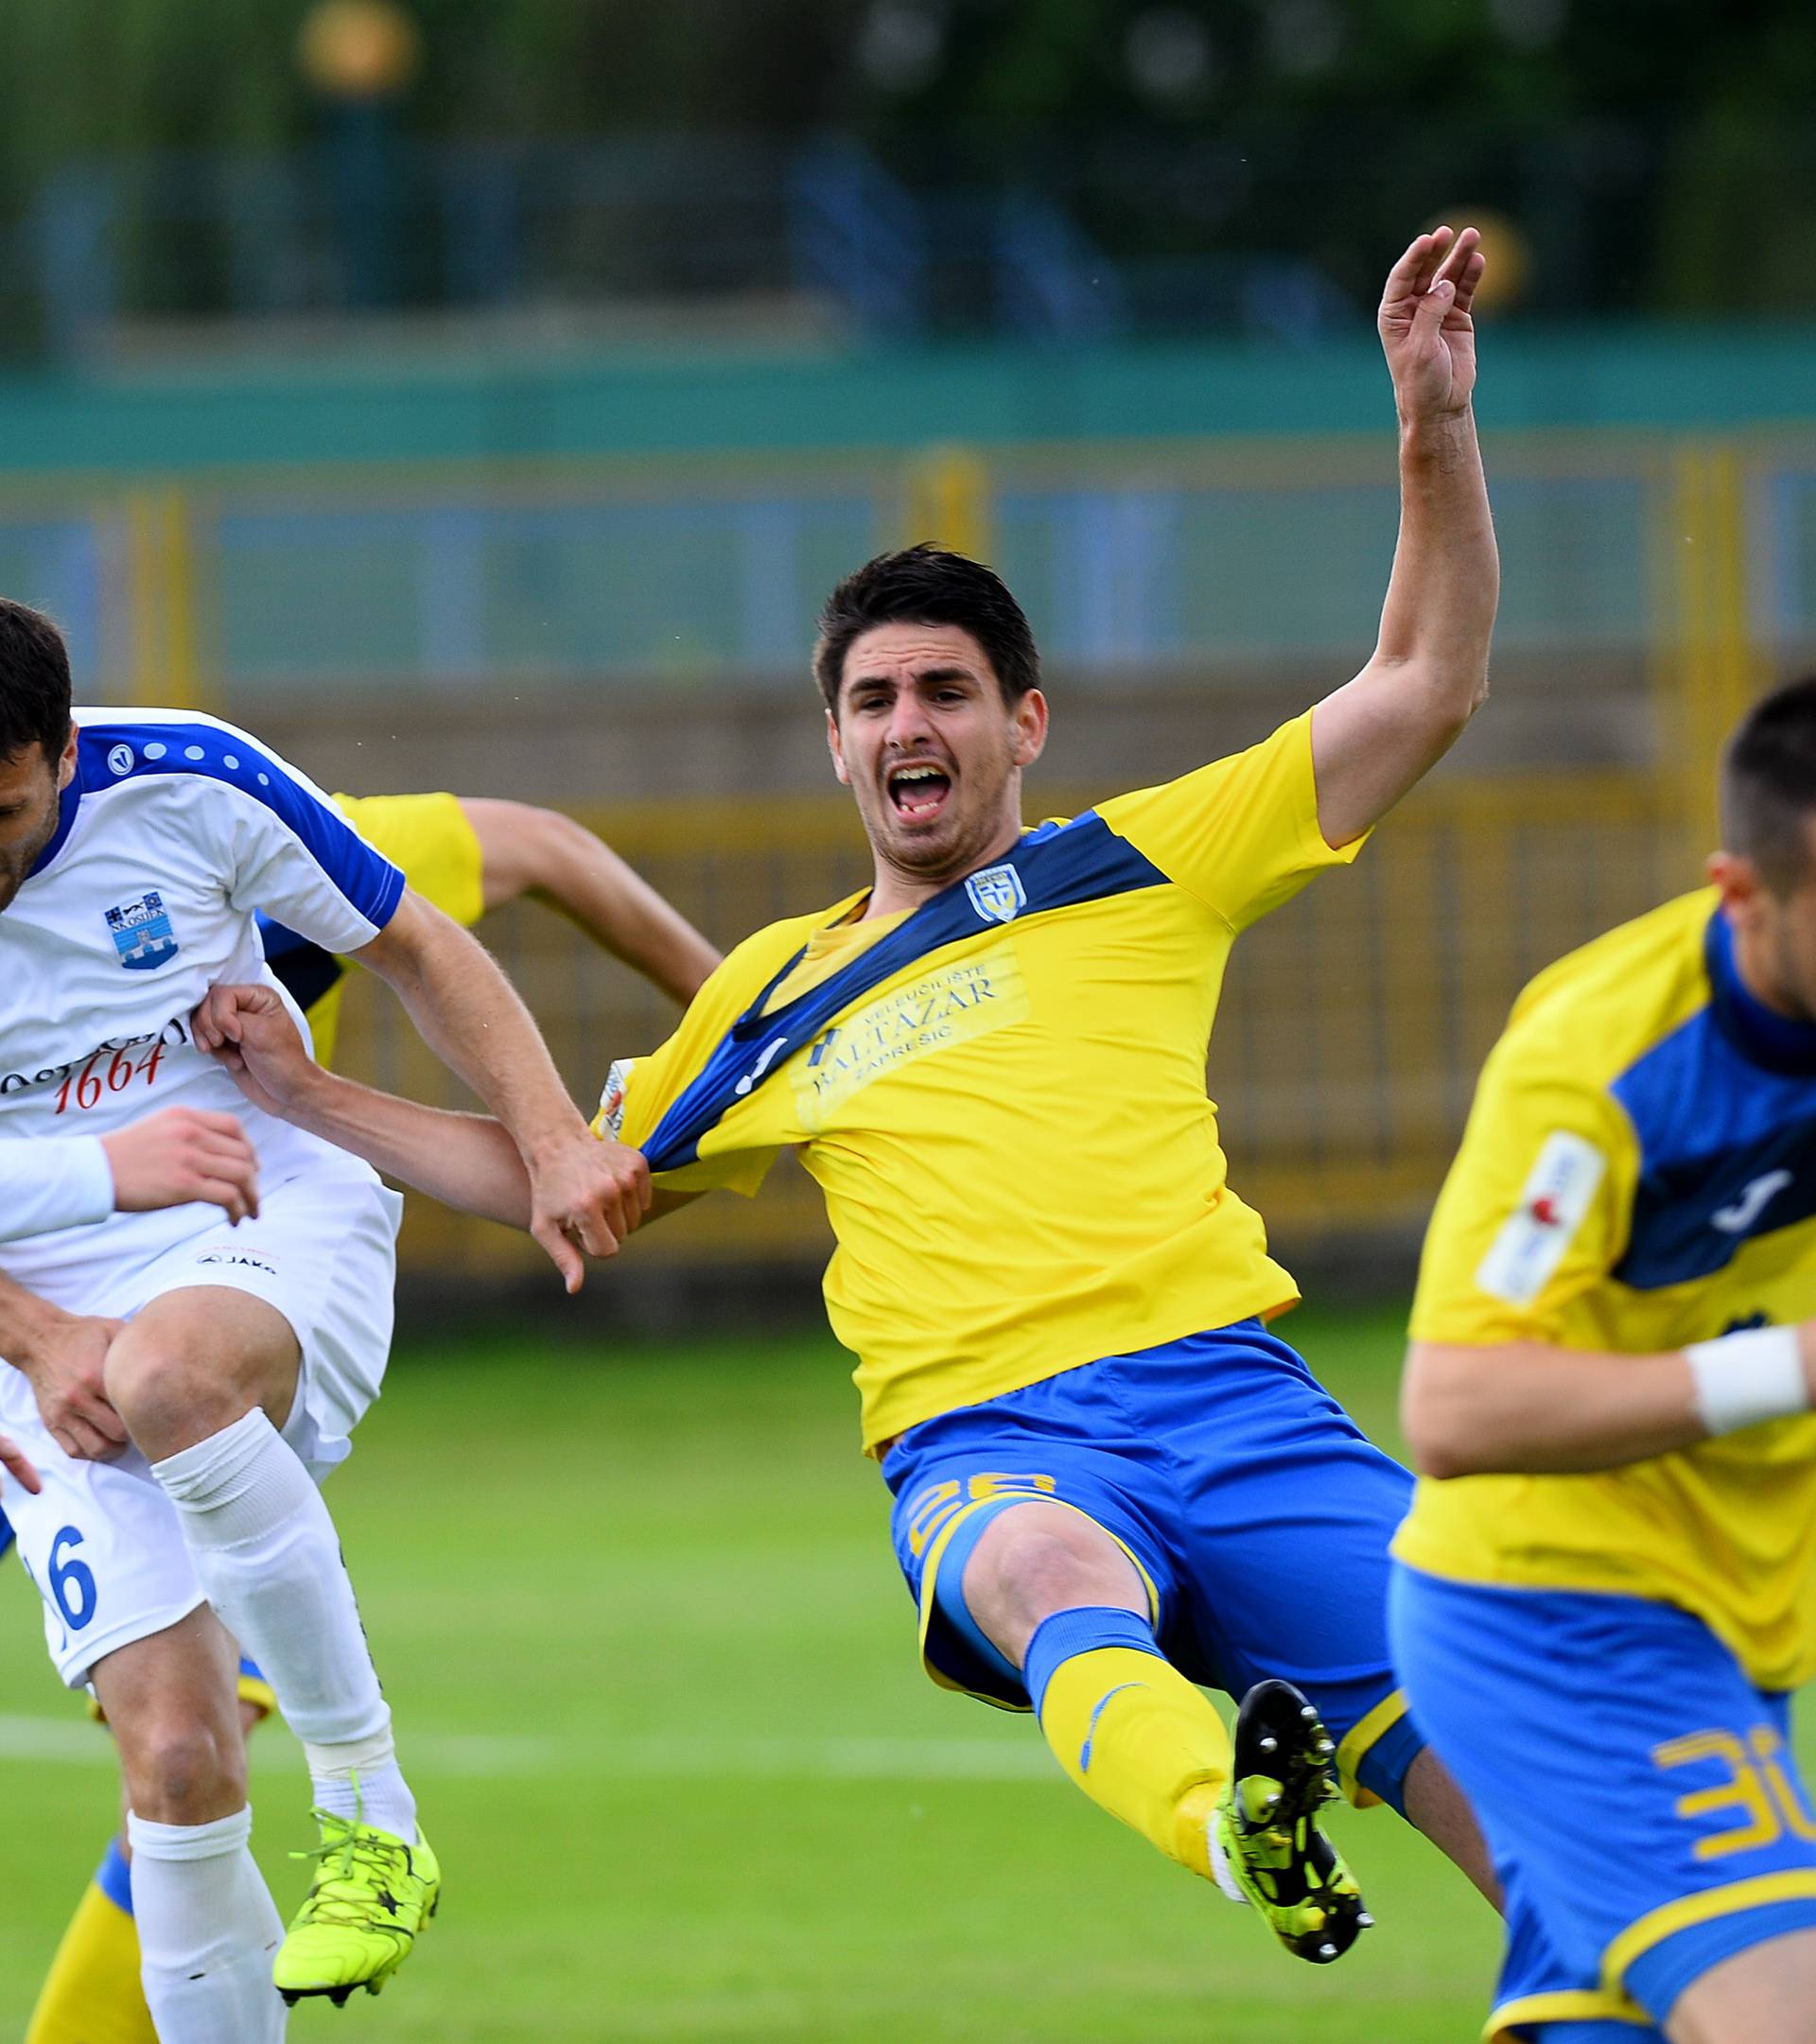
108,754
6,1532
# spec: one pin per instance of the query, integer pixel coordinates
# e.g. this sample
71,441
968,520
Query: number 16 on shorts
103,1546
69,1583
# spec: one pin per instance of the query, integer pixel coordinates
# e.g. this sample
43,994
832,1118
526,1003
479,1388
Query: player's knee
181,1769
1024,1574
155,1382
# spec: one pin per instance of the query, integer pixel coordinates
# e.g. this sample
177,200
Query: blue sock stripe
1097,1710
113,1877
1083,1630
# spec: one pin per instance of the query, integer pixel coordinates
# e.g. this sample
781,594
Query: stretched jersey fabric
429,837
1638,1173
174,831
1005,1107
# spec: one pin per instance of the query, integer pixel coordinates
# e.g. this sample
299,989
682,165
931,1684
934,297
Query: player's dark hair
926,585
1768,785
34,682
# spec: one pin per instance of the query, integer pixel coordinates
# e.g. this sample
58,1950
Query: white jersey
176,830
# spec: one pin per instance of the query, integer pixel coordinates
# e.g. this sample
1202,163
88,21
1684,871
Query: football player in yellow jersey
465,855
1607,1584
1112,1482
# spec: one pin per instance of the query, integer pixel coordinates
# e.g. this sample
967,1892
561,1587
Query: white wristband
1754,1374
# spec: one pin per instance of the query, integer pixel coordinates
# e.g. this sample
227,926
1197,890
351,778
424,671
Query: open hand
1424,324
587,1191
250,1031
182,1154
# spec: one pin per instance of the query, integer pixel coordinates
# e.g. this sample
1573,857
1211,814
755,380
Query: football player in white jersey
177,1511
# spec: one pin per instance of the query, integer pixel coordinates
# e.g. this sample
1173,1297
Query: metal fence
1129,555
1353,1023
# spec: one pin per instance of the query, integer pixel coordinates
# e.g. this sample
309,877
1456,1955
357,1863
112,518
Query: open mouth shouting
919,788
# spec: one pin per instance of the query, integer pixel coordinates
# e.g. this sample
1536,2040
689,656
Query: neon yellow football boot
1265,1846
371,1898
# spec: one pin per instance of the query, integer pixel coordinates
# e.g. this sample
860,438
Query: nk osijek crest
142,933
997,892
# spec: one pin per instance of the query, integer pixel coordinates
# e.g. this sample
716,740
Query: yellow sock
1128,1728
92,1992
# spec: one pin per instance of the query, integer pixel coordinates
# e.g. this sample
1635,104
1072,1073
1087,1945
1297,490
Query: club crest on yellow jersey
997,892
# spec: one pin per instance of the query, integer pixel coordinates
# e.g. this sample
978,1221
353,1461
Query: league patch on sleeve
1533,1240
609,1121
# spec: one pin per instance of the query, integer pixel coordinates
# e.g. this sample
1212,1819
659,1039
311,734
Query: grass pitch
656,1686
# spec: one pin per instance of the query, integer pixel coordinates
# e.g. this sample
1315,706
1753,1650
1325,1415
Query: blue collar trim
66,807
1774,1041
1052,868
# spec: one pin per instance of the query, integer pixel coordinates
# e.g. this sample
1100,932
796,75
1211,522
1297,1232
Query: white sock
265,1553
360,1778
208,1932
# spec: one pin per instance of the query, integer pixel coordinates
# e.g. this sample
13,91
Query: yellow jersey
1638,1173
1010,1123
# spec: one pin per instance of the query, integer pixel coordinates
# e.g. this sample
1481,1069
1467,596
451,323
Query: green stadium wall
378,406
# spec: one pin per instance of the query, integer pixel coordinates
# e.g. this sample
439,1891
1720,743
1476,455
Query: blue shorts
1256,1511
1636,1791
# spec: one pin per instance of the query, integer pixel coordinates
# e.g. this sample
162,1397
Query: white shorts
101,1542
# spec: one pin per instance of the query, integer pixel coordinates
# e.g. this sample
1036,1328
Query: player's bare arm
548,856
1528,1407
62,1356
582,1192
1378,735
466,1160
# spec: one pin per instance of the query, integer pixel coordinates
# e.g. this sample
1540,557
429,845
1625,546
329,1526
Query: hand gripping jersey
1002,1094
175,830
1638,1173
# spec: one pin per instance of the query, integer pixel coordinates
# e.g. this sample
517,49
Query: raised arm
539,852
1374,738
